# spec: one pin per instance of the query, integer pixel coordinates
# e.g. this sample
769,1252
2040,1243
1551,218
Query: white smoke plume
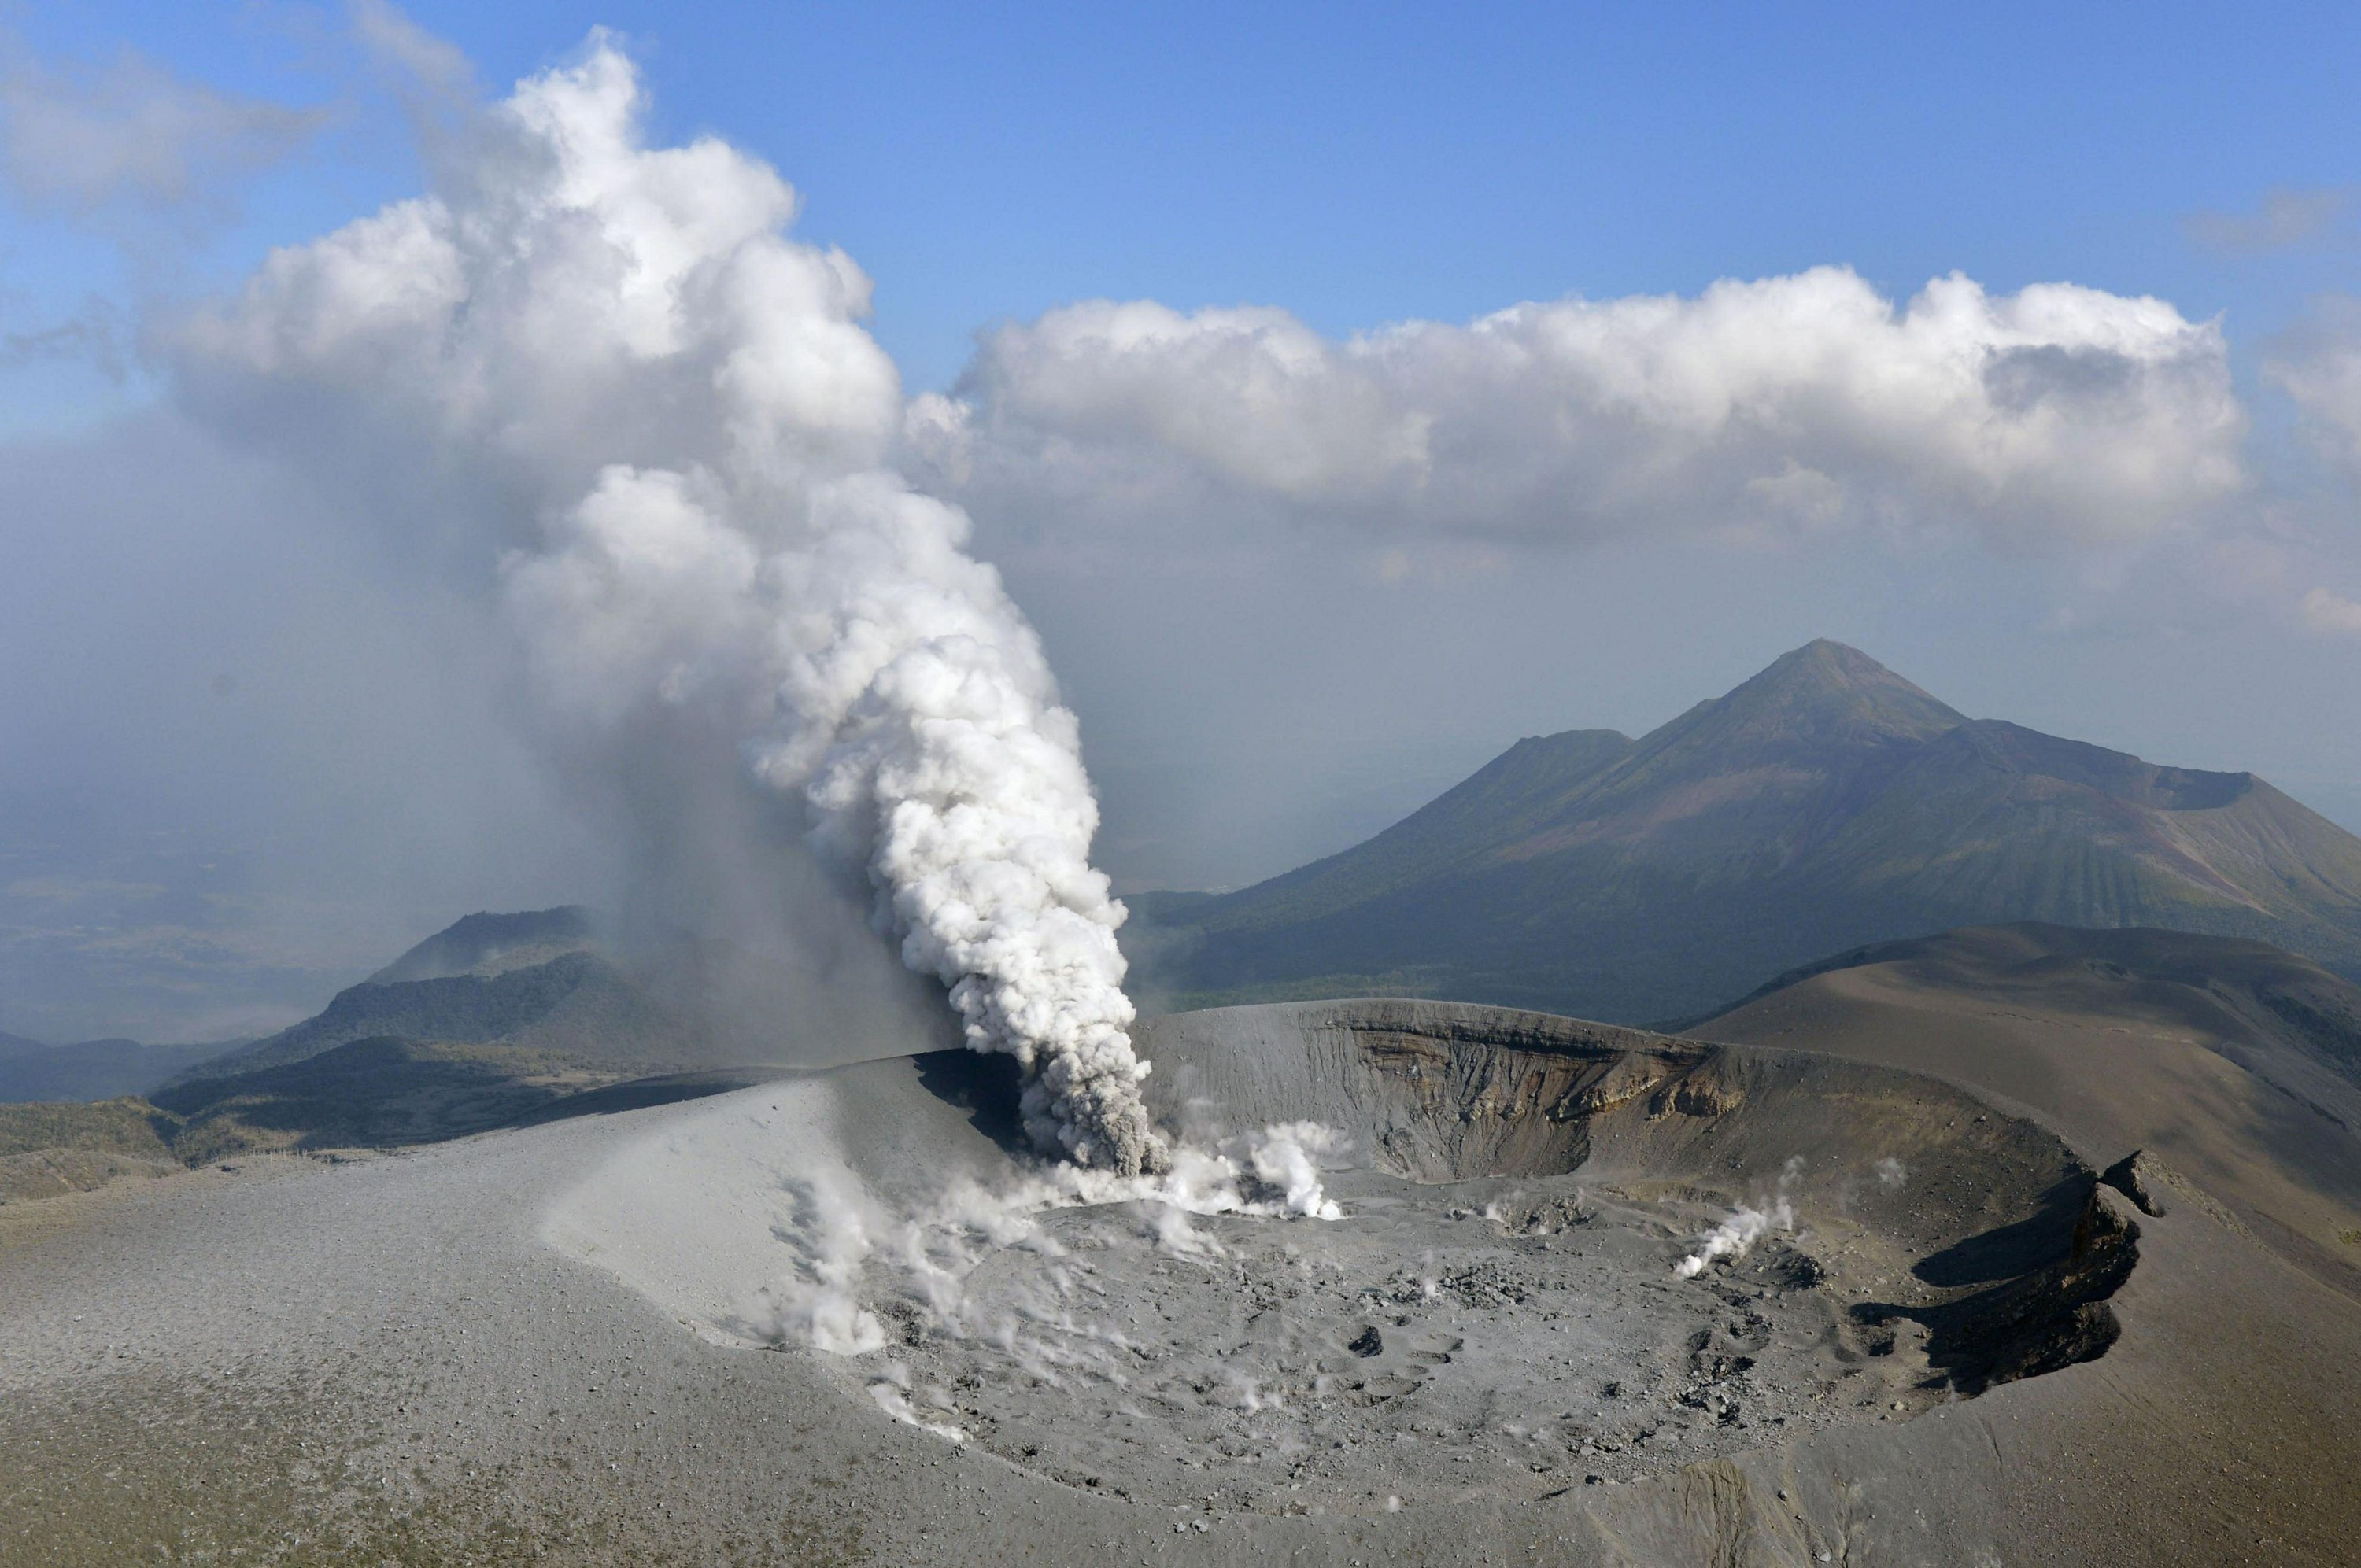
1733,1237
603,371
817,1305
893,1397
1271,1173
1284,1159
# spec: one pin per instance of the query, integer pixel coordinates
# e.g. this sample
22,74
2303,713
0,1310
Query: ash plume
598,379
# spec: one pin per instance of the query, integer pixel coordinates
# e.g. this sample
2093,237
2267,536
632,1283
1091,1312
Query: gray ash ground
1495,1337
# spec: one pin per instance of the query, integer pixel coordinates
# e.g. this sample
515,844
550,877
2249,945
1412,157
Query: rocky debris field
1500,1338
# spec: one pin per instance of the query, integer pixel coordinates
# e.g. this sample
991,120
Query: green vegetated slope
497,1017
49,1148
536,983
490,1019
377,1092
108,1126
1823,804
580,1003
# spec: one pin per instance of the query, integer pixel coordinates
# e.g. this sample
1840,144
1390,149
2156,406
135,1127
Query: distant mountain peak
1827,651
1825,689
1825,802
1822,667
487,944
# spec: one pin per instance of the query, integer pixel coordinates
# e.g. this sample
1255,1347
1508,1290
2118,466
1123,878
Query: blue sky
1363,164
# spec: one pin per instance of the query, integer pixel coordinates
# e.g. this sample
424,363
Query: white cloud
2318,364
132,132
2326,611
2057,413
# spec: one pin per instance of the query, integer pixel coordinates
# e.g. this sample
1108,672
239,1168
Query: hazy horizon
1395,409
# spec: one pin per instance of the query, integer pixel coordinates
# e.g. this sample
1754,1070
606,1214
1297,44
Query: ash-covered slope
2238,1063
1823,804
1490,1357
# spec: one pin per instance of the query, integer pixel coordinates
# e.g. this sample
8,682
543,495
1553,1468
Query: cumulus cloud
2285,218
600,375
1801,403
133,133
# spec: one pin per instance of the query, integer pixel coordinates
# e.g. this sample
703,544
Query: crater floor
1509,1337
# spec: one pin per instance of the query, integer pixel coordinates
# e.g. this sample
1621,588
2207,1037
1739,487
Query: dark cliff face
1823,804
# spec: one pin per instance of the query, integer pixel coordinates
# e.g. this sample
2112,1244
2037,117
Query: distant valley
94,1070
495,1019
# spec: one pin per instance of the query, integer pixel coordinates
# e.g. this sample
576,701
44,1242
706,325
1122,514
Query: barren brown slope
2237,1063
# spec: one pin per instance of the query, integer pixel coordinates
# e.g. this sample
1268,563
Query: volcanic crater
1501,1307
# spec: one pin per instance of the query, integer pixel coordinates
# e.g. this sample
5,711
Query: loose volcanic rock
2138,1176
